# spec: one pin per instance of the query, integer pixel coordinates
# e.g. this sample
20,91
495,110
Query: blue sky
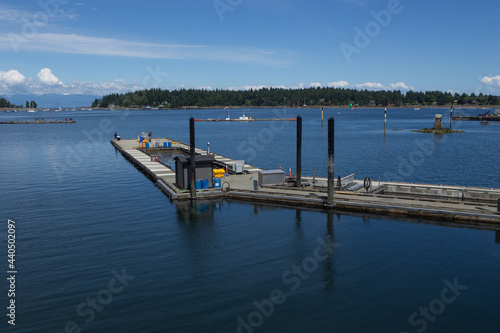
106,46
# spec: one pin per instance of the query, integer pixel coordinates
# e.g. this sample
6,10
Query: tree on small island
6,104
438,127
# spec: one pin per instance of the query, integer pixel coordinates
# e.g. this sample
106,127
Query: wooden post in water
451,113
192,149
331,124
385,119
298,179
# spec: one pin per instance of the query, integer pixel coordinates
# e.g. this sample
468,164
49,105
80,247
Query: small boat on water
245,117
484,122
31,110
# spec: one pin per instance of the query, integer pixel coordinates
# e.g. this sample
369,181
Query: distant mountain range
54,100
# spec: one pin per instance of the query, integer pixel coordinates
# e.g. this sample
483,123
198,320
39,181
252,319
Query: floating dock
462,205
249,119
38,122
476,118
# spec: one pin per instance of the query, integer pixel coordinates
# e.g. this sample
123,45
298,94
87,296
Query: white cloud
491,81
339,84
248,87
38,17
11,14
371,86
45,82
46,77
399,86
12,78
79,44
13,82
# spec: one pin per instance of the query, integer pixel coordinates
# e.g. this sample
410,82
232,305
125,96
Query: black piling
331,125
192,149
298,180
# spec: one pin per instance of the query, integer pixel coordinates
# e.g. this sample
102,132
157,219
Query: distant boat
58,109
31,110
484,122
244,117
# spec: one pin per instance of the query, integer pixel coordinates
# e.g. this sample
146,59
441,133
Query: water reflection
298,243
198,234
329,271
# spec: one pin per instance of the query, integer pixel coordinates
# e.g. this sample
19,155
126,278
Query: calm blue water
82,211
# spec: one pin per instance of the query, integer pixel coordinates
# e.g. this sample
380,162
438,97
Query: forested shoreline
279,97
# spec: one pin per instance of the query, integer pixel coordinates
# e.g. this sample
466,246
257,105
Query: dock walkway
474,206
37,122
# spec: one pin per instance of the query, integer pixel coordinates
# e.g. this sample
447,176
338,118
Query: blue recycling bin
165,144
198,184
217,183
204,183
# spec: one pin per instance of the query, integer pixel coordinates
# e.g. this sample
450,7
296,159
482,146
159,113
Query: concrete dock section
464,205
31,122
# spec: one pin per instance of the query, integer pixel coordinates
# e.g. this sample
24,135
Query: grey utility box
271,177
204,170
238,166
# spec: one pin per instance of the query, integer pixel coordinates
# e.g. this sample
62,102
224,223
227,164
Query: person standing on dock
149,136
116,134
